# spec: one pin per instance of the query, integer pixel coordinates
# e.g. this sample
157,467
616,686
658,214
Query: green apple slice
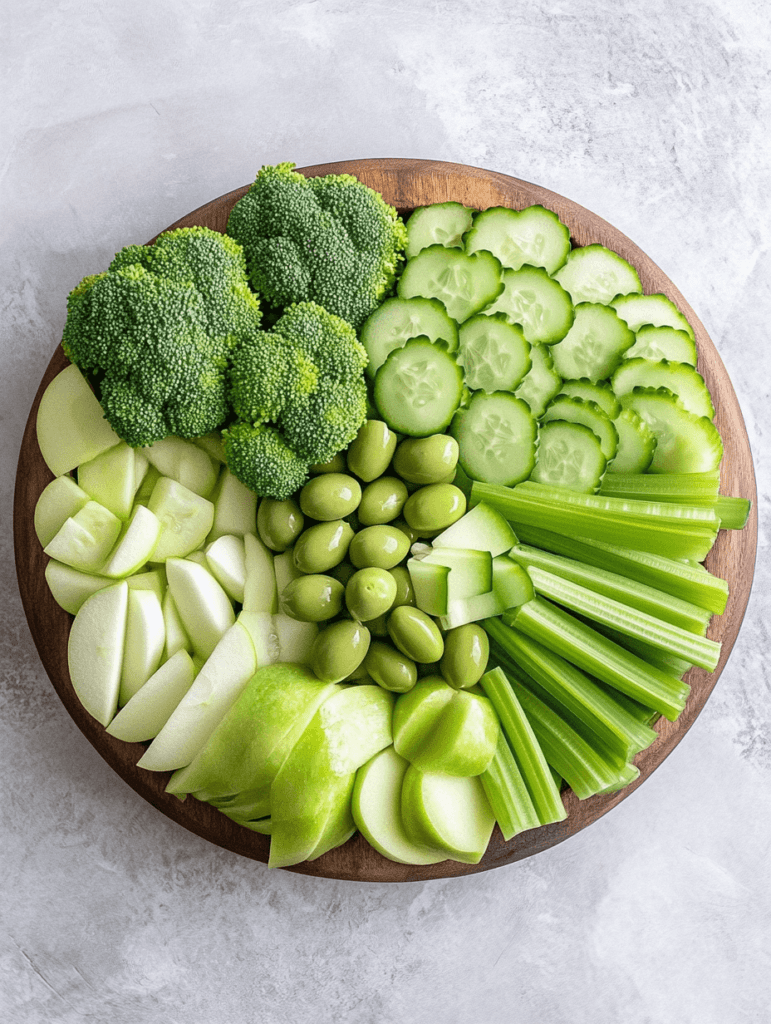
176,637
147,485
260,590
285,570
235,507
136,545
212,444
203,606
150,708
215,689
141,469
110,479
86,539
445,812
71,427
463,740
58,502
239,756
185,518
263,633
377,810
295,638
70,587
184,462
226,559
339,826
145,637
247,805
153,579
417,712
95,650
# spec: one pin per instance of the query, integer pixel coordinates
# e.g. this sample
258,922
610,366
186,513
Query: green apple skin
203,606
240,756
377,811
417,712
110,479
184,462
136,544
446,812
235,508
185,519
264,826
95,650
70,587
71,427
260,592
339,826
313,788
145,637
150,708
226,560
215,690
58,502
86,539
463,739
245,806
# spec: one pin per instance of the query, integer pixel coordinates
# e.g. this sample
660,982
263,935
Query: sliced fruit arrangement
490,587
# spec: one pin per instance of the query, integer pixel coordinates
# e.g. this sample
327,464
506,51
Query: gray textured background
117,118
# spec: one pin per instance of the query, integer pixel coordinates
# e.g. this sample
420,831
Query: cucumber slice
684,443
440,224
511,588
393,324
663,343
569,455
636,444
535,236
496,435
481,529
679,378
493,353
471,571
594,345
596,274
582,410
430,583
463,284
541,383
600,392
657,310
537,302
418,389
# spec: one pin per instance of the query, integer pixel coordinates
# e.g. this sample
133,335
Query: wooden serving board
407,184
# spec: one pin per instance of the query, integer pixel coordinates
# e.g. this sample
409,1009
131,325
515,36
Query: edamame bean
322,547
410,534
415,634
279,523
466,650
405,594
389,668
379,546
426,460
335,465
434,507
371,450
343,571
369,593
330,496
339,649
382,501
378,626
313,598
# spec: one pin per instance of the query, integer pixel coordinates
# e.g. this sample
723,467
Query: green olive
371,450
426,460
466,650
369,593
389,668
382,501
330,496
312,598
415,634
322,547
434,507
335,465
279,523
339,649
405,593
380,546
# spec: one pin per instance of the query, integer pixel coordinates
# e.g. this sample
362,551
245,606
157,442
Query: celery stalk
733,512
507,793
680,488
669,663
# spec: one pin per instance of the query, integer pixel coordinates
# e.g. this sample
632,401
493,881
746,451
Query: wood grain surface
407,184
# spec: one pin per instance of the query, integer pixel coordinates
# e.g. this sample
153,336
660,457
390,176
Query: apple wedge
447,813
176,637
145,637
110,479
71,427
135,546
70,587
184,462
260,592
95,650
150,708
235,507
58,502
86,539
226,559
215,689
204,607
185,518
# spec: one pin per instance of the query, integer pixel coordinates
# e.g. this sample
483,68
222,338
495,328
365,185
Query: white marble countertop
117,118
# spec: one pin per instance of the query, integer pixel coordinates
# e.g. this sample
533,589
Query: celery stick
668,663
697,649
507,793
677,531
524,745
558,780
567,689
733,512
637,710
673,577
629,773
680,488
585,647
637,595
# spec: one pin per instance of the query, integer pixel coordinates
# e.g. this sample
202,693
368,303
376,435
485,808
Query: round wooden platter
407,184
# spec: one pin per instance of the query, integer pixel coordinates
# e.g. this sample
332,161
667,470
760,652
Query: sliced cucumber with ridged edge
536,301
541,383
663,343
636,444
493,352
569,455
440,224
393,324
497,438
596,274
601,393
418,388
594,345
656,310
463,284
535,236
684,443
583,410
679,378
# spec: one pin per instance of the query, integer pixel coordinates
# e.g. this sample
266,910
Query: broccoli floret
156,332
324,423
261,459
266,372
330,240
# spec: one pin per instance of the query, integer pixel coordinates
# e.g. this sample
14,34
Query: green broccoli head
330,240
260,457
156,332
325,422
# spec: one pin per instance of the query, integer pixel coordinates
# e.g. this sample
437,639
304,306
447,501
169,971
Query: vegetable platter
407,185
